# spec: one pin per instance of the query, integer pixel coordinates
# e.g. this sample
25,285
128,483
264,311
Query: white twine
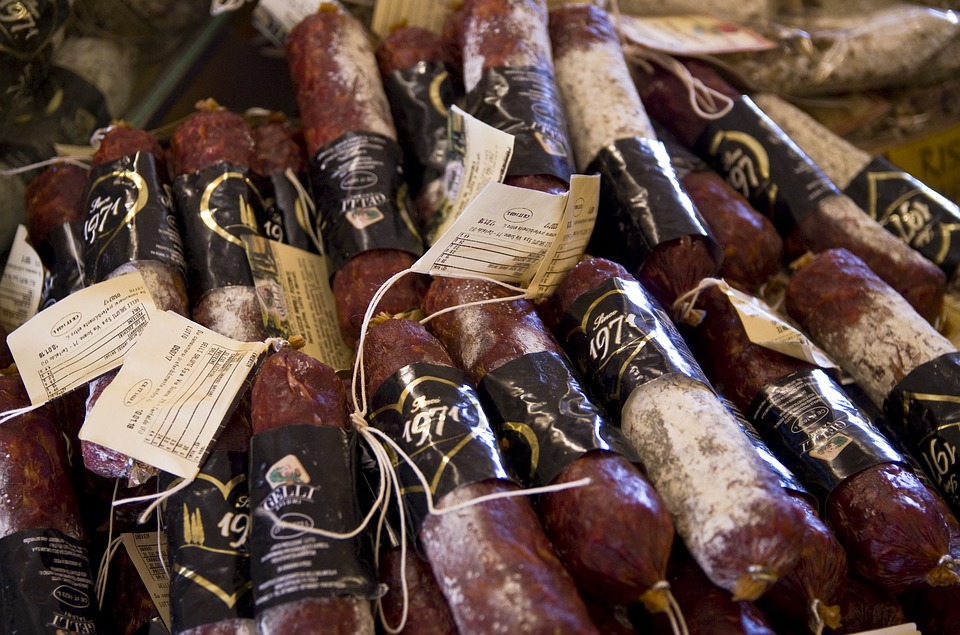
304,204
682,308
7,415
157,499
70,160
706,102
817,622
112,545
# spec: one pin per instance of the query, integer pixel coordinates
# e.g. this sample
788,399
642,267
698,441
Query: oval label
294,518
71,597
138,392
63,325
358,180
518,214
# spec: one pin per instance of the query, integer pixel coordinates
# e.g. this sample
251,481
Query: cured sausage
727,505
758,159
210,155
507,577
645,220
302,452
856,486
428,612
348,129
613,535
44,561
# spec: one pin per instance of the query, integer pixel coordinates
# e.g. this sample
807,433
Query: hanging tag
477,154
767,330
428,14
296,299
81,337
507,233
148,552
22,283
693,34
175,389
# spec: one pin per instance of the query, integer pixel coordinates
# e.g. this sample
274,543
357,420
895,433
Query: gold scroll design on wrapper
207,214
447,457
435,99
143,195
529,436
758,158
898,214
637,346
194,533
951,485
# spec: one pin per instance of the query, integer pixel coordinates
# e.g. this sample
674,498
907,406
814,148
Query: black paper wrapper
759,160
306,475
811,425
218,205
287,216
621,335
641,203
911,211
46,585
524,101
361,197
925,408
544,418
436,418
62,255
208,526
129,217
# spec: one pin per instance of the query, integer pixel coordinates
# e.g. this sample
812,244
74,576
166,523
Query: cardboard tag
148,551
172,394
293,287
427,14
693,34
477,154
507,233
768,330
81,337
22,283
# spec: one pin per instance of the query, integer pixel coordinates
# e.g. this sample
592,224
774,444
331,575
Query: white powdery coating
868,230
235,626
357,72
600,99
103,63
888,341
706,471
527,22
838,158
229,310
160,280
352,611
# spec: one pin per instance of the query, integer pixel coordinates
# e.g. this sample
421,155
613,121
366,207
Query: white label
81,337
477,154
766,329
692,34
173,392
293,287
22,283
148,551
427,14
507,232
276,18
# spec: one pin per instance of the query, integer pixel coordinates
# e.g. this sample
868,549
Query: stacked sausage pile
692,475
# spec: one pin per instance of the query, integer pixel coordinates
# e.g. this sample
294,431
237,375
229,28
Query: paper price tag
81,337
296,299
477,154
766,329
148,551
692,34
21,284
173,392
516,235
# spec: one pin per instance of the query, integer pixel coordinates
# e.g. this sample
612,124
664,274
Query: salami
596,528
211,153
727,505
44,562
303,470
645,220
758,159
802,414
506,578
355,172
427,612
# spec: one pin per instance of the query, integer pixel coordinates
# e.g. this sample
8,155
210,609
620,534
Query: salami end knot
823,616
945,573
754,582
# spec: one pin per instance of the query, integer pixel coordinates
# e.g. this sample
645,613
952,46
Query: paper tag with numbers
516,235
81,337
22,283
175,389
148,552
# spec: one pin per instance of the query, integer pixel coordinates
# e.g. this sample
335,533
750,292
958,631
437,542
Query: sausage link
53,198
506,578
595,528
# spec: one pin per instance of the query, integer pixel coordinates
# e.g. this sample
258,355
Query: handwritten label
173,392
81,337
517,236
148,551
22,283
296,299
